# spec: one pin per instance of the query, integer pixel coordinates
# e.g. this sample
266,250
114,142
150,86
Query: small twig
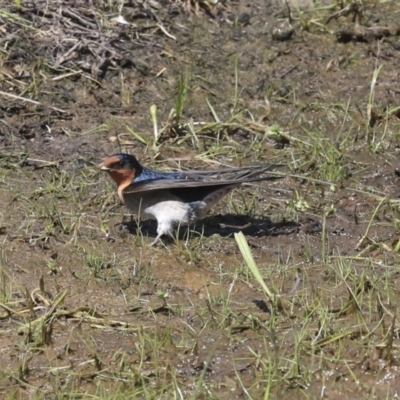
351,8
166,33
58,78
65,57
13,96
288,72
161,72
45,162
295,286
289,12
83,21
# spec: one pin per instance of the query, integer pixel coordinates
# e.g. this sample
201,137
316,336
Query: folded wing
195,185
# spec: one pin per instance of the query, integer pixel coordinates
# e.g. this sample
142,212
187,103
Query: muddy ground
89,310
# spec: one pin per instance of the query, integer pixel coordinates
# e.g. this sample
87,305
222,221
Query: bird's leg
190,226
156,240
187,236
162,229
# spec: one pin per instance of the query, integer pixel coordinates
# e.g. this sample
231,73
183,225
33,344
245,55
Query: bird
175,198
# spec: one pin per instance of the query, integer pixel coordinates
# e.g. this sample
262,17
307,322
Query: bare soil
88,308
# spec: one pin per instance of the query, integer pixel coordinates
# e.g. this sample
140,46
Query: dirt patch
87,308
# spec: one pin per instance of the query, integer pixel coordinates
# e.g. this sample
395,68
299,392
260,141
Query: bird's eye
118,164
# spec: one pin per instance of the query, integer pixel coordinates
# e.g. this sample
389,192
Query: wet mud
87,307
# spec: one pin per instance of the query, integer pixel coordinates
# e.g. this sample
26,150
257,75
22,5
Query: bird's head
123,168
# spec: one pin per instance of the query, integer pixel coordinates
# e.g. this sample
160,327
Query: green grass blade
248,258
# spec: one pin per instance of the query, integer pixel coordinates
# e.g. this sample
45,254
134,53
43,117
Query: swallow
174,198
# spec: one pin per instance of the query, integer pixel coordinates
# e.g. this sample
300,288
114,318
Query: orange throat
122,178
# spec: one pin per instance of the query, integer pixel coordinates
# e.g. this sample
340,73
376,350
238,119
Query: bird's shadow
224,225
